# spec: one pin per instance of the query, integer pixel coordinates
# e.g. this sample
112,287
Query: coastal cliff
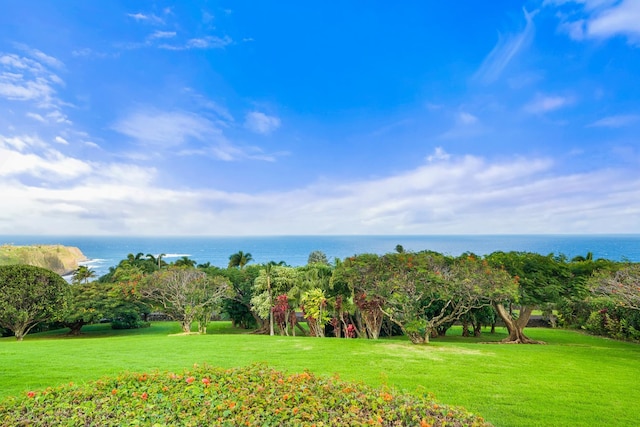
58,258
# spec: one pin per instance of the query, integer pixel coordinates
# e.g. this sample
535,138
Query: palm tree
185,261
83,273
157,260
240,259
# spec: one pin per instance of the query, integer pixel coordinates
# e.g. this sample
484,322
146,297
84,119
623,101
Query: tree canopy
30,295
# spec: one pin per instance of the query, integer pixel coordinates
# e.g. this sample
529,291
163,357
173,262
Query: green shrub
250,396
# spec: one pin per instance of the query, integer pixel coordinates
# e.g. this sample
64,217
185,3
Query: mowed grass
574,380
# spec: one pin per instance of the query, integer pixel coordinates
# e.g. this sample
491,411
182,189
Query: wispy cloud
165,128
207,42
446,195
505,51
146,17
26,155
616,121
261,123
163,35
186,134
601,19
546,103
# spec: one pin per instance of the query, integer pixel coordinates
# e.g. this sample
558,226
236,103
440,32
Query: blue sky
288,117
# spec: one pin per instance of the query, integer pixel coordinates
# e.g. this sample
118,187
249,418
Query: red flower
144,396
31,394
206,381
190,380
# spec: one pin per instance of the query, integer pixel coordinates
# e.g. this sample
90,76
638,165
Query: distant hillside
61,259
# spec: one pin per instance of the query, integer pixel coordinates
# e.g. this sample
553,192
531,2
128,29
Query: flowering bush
250,396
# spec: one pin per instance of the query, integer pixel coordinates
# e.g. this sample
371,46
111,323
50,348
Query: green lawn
574,380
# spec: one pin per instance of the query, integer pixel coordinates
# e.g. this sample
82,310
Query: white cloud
455,195
546,103
259,122
61,140
616,121
438,154
49,164
504,52
142,17
166,128
163,35
36,116
465,118
208,42
601,19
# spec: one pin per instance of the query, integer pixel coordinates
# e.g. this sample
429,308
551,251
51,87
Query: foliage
541,280
240,259
82,275
317,257
255,395
185,294
238,306
314,306
622,286
87,304
272,280
30,295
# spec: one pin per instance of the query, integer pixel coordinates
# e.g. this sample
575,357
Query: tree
30,295
541,279
240,259
317,257
238,307
87,304
272,280
184,261
426,291
622,286
362,275
185,294
83,274
157,261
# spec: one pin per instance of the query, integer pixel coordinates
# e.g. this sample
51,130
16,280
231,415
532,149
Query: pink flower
206,381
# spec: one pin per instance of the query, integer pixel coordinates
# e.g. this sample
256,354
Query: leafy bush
250,396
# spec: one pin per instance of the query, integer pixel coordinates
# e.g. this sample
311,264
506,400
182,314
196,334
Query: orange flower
114,391
31,394
144,396
424,423
206,381
190,380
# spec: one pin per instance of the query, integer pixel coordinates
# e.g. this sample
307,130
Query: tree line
418,294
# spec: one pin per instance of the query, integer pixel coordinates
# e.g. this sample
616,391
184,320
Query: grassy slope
58,258
575,380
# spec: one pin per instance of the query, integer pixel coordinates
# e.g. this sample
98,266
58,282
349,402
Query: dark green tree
240,259
317,257
30,295
541,280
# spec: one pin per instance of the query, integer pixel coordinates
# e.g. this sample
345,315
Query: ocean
104,252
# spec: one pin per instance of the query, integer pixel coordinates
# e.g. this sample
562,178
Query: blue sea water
104,252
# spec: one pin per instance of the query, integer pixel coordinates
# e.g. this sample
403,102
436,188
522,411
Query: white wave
96,262
176,255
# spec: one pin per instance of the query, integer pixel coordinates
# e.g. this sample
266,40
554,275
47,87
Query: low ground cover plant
253,395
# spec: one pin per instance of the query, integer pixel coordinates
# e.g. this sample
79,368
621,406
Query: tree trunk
465,328
186,325
74,327
516,326
417,337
